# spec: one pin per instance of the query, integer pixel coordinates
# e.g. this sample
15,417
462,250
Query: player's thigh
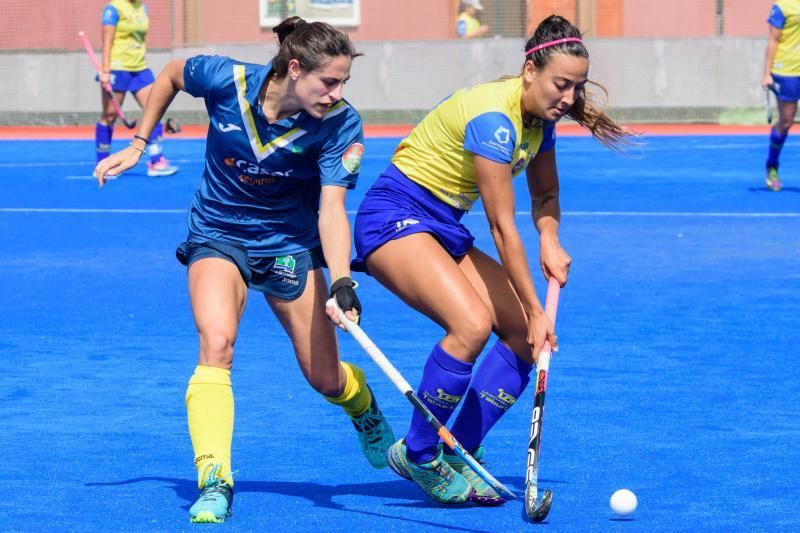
419,270
141,95
311,332
218,295
491,283
108,107
787,110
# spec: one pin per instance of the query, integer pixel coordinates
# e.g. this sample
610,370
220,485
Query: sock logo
442,399
502,399
203,457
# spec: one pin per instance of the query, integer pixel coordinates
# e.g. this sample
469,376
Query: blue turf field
677,375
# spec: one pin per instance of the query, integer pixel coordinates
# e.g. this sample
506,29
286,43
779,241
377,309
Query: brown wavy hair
587,110
313,44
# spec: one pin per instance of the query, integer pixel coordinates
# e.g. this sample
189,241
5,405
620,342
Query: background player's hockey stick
130,124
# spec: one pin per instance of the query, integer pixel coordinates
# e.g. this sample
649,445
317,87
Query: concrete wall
657,75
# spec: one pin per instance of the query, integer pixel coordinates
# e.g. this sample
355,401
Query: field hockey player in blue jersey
409,237
283,148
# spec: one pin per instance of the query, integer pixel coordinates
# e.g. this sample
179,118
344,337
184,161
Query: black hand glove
343,289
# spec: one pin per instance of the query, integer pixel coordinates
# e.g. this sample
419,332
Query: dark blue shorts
395,207
124,80
283,277
786,88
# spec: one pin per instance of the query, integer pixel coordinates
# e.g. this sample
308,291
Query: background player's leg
104,129
158,164
777,137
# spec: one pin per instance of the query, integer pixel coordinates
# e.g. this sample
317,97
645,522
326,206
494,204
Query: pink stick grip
90,51
551,306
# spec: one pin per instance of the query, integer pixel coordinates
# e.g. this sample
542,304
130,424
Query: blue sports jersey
261,182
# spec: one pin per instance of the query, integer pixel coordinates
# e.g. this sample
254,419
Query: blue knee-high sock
154,148
444,381
102,140
776,141
499,380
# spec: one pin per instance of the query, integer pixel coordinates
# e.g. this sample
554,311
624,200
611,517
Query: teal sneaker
484,494
436,478
215,501
375,435
773,181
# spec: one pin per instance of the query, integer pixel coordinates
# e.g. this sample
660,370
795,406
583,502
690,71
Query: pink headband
553,43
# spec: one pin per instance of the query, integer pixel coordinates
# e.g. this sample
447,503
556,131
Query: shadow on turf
767,189
318,494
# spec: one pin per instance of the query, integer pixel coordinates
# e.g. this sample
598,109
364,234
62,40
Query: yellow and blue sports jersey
484,120
262,181
466,24
132,24
785,16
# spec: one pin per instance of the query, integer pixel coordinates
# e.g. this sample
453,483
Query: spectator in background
467,24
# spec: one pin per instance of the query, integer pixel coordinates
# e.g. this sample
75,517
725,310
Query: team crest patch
284,265
351,160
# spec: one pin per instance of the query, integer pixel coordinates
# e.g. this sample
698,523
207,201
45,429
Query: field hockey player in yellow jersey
409,237
123,65
782,76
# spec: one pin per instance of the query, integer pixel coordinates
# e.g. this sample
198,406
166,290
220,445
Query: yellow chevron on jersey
785,16
486,120
128,48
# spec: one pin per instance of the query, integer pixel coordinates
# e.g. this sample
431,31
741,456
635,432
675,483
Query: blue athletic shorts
124,80
395,207
283,277
786,88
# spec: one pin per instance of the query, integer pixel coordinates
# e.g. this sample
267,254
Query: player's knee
326,384
473,331
216,349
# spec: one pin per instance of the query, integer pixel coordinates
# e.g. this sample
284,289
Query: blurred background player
282,151
409,236
123,33
467,23
782,76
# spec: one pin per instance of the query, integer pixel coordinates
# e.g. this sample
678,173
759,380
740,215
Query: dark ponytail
313,44
587,110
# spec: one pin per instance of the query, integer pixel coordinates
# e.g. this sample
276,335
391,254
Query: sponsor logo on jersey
351,160
502,135
228,127
255,174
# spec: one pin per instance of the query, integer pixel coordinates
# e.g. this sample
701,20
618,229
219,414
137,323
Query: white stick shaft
374,352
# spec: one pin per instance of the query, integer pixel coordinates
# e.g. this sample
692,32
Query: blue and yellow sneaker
375,435
216,499
483,494
773,181
436,478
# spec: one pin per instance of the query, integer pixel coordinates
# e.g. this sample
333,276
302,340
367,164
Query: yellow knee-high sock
356,397
209,408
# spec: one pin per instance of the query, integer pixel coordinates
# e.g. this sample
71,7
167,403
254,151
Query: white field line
631,214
